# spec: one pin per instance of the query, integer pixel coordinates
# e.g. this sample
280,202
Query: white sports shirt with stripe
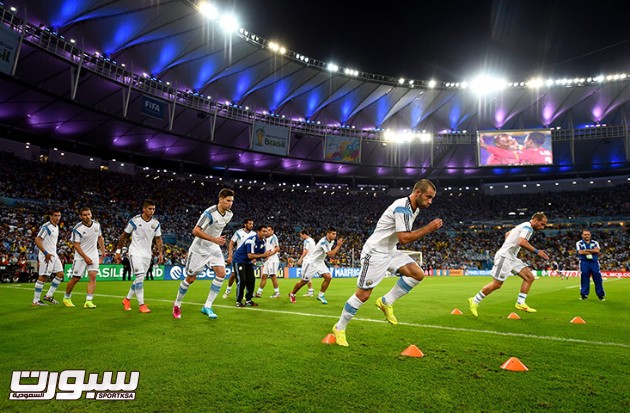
309,245
510,247
240,236
212,223
271,243
398,217
87,237
49,234
318,252
142,234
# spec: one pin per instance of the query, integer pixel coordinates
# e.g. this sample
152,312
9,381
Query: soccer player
237,240
252,249
142,229
506,263
588,250
308,244
379,254
270,268
503,151
314,263
87,239
205,252
48,260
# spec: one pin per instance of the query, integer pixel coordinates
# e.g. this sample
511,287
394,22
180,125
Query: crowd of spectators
474,222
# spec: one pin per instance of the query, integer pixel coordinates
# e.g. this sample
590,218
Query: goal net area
416,255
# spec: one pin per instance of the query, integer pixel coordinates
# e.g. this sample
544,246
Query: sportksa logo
70,385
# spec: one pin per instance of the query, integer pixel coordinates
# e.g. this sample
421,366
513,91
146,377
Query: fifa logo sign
71,384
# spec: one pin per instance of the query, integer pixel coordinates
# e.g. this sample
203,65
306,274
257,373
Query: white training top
87,237
510,247
271,243
309,245
211,223
398,217
142,234
239,237
318,253
49,233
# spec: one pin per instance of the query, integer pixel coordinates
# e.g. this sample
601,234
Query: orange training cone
457,311
412,351
514,316
329,339
514,364
578,320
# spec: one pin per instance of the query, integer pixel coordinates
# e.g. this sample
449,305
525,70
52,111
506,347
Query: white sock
183,289
53,286
39,286
276,290
215,287
260,291
480,296
349,310
89,297
139,282
402,287
521,298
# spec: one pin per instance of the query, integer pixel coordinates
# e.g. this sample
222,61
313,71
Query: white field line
608,280
436,327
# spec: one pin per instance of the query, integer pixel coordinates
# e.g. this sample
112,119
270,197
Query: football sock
89,297
139,282
39,286
402,287
215,287
132,291
276,290
183,289
53,286
521,298
320,294
66,295
311,291
480,296
228,290
349,310
260,291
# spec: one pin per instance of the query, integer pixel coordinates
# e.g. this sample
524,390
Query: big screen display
516,147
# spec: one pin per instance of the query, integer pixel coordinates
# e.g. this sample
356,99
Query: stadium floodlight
535,83
332,67
425,137
401,81
485,84
208,10
229,23
432,84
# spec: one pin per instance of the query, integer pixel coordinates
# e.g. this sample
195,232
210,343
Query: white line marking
371,320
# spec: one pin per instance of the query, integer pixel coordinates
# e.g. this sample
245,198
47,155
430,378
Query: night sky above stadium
449,40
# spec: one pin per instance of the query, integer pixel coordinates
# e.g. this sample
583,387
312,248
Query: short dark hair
148,202
305,232
423,185
270,226
538,216
260,227
246,220
331,229
82,210
538,138
54,209
225,192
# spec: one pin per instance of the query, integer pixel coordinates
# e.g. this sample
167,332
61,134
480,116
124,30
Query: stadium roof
212,88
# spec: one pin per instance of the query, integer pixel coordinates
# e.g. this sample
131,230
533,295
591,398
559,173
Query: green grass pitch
271,358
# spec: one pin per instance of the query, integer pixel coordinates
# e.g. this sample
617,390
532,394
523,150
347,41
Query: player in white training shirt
48,260
205,252
379,254
271,265
142,229
239,237
308,244
88,240
506,263
314,263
